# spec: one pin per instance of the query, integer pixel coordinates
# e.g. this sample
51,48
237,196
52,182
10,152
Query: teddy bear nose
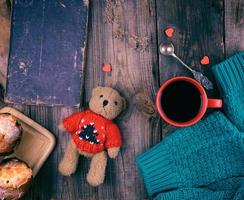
105,102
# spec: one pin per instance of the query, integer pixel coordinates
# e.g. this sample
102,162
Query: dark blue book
46,52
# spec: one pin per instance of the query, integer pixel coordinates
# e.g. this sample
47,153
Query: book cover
46,52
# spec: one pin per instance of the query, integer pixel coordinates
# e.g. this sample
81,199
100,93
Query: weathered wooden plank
46,52
133,70
234,26
198,31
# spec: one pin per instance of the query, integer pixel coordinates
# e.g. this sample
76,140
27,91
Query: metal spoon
168,50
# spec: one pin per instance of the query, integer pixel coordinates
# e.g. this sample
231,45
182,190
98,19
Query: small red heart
107,67
205,60
169,32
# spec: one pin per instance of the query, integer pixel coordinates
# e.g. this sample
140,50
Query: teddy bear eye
116,103
101,96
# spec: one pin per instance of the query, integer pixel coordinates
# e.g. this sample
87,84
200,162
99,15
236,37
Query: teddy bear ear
124,103
96,90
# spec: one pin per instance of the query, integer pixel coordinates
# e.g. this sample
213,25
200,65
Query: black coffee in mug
181,101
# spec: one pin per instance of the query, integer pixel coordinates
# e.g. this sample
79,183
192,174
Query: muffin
15,179
10,133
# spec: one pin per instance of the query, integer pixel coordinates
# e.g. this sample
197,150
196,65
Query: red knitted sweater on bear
91,132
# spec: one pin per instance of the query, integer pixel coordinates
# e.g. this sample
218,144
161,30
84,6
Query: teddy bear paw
94,180
66,169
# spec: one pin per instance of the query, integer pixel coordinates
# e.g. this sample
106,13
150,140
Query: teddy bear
93,134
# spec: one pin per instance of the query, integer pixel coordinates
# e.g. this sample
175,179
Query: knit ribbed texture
204,161
230,79
230,73
194,156
226,189
194,194
156,168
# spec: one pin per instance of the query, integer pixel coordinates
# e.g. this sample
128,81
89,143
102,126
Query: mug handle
214,103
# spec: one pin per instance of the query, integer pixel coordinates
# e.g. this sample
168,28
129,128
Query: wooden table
202,27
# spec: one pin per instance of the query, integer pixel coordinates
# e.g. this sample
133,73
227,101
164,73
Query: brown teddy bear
92,133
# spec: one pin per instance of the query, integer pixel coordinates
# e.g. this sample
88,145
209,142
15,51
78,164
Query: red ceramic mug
205,102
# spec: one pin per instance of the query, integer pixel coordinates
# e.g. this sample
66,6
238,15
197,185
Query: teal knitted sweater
204,161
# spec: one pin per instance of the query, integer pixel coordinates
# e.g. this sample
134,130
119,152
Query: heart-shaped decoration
205,60
107,67
169,32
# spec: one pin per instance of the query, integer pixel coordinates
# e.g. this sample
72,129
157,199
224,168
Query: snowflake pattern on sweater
89,133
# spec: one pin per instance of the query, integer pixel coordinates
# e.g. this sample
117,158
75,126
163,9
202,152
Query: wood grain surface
132,71
198,31
234,26
128,39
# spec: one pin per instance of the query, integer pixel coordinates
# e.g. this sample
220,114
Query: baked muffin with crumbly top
10,133
15,179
